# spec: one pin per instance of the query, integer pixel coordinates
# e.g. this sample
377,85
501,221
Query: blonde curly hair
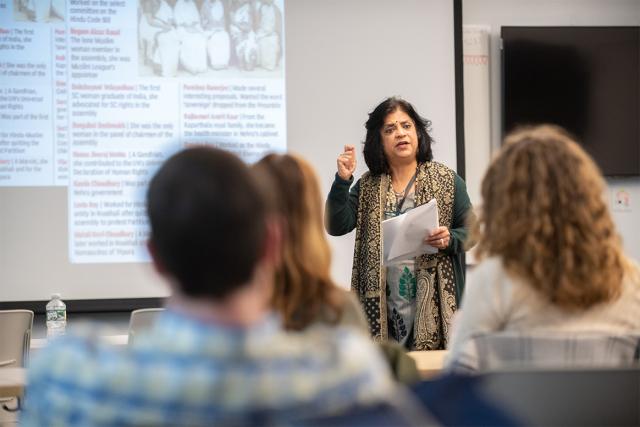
544,214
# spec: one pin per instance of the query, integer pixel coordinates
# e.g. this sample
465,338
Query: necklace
404,193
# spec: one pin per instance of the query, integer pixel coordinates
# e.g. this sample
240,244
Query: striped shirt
186,372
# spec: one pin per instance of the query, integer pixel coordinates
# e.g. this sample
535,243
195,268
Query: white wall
496,13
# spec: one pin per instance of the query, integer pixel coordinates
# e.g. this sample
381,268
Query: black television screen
585,79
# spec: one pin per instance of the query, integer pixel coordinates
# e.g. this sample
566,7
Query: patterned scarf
435,297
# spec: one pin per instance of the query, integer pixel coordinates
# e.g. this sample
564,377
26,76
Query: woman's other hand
438,238
347,162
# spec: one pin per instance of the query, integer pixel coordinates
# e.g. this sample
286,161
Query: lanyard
406,192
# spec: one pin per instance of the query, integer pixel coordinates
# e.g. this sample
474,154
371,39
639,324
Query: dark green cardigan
341,211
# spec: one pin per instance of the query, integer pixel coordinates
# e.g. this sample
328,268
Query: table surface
429,363
12,381
38,343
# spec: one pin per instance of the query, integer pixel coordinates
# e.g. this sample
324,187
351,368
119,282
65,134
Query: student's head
374,154
303,285
208,222
544,213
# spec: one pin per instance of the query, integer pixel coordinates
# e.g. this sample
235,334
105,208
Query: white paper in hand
403,235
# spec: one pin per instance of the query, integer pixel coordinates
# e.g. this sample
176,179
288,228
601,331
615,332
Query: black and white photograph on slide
210,38
39,10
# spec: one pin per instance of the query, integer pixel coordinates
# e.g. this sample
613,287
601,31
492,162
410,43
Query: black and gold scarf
436,295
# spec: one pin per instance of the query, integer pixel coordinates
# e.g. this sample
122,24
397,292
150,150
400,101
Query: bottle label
55,315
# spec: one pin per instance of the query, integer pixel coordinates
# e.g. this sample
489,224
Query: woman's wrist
341,179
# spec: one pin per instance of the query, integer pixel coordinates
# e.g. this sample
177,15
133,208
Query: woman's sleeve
483,310
461,209
341,209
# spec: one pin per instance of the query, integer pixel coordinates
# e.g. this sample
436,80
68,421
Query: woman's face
399,137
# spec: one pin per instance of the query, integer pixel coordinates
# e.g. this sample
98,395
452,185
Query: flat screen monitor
585,79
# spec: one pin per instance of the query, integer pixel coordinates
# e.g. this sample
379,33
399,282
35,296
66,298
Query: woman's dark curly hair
373,151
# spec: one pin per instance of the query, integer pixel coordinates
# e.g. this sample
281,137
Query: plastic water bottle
56,316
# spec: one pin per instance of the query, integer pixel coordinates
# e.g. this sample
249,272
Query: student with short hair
218,354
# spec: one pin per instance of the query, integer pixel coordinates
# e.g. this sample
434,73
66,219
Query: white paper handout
403,235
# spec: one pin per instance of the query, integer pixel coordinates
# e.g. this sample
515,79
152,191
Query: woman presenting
412,301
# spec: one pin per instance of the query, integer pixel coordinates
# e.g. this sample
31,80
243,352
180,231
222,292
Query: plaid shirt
186,372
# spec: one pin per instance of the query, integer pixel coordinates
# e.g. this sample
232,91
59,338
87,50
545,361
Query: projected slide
96,94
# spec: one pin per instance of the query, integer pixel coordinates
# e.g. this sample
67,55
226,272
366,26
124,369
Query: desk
12,381
116,340
429,363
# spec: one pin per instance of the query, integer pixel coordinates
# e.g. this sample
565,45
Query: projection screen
95,94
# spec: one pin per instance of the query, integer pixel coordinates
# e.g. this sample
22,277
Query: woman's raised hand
347,162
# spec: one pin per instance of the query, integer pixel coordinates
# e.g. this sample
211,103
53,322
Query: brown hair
209,259
304,290
545,215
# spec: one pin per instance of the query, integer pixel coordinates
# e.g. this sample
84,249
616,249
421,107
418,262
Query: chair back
502,350
15,337
142,320
568,397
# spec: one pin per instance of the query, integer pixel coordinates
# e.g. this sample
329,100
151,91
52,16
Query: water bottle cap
55,296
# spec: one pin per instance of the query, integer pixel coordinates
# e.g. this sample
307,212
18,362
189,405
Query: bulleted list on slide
96,94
